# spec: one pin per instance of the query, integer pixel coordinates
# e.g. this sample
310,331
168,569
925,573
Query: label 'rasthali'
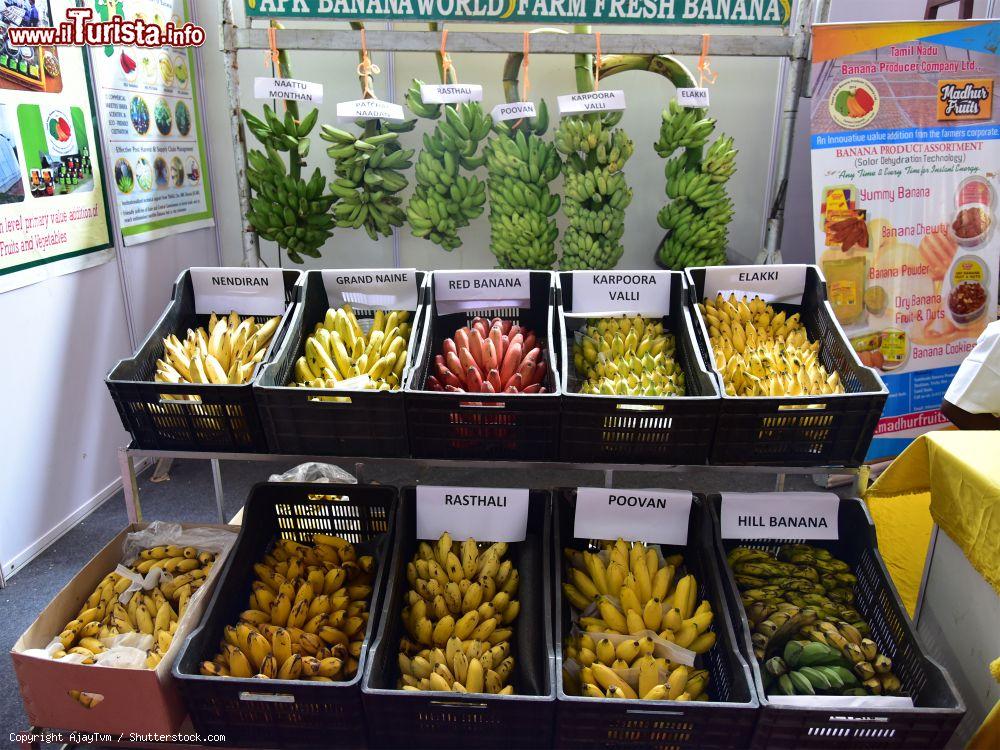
482,513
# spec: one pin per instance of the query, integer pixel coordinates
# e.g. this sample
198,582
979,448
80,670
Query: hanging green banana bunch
698,215
286,208
444,200
595,188
521,165
369,169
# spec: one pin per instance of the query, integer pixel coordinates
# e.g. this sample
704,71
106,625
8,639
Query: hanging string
526,48
366,69
446,62
597,61
271,56
705,72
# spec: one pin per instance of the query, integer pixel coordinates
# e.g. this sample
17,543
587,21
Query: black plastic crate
286,713
725,721
638,429
831,430
368,423
410,719
222,418
938,706
486,426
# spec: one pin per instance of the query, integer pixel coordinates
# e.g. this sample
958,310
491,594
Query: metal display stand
366,469
793,45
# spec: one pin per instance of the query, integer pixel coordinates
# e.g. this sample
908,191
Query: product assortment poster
905,163
149,106
53,214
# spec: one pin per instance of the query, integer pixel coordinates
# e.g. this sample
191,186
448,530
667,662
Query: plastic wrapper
128,650
314,471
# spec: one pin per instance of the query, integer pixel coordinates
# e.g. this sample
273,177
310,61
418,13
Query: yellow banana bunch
627,357
339,349
760,352
306,616
624,597
459,616
226,352
154,612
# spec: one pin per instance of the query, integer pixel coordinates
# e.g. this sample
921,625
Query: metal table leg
130,487
779,483
217,483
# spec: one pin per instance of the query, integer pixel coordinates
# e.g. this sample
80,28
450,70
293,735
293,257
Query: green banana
697,218
445,200
595,188
369,169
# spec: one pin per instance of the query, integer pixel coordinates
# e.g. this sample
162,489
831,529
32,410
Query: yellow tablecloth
949,478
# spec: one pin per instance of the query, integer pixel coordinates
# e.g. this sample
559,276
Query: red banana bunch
490,356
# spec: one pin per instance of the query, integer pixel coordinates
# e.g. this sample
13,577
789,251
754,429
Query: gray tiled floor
188,496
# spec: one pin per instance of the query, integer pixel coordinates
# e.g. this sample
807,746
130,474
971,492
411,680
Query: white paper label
618,293
457,291
772,283
780,515
651,516
370,109
357,383
288,88
248,291
451,93
486,514
592,101
693,98
843,701
372,288
513,111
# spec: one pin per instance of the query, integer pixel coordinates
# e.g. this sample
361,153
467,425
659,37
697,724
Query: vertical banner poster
905,162
53,215
149,105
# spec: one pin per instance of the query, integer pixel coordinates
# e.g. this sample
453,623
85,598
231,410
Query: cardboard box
134,700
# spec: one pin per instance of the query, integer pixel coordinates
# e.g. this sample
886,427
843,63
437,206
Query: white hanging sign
651,516
696,98
513,111
780,515
486,514
456,291
876,702
592,101
288,88
450,93
248,291
621,293
373,288
783,284
369,109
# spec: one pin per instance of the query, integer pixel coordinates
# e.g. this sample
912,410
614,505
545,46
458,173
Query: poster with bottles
53,215
905,162
149,104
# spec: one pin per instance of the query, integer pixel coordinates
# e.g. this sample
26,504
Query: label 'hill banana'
595,188
339,349
154,612
306,616
458,615
807,635
627,357
760,352
226,352
698,215
624,598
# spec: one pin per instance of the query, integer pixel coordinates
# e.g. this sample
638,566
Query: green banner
720,12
